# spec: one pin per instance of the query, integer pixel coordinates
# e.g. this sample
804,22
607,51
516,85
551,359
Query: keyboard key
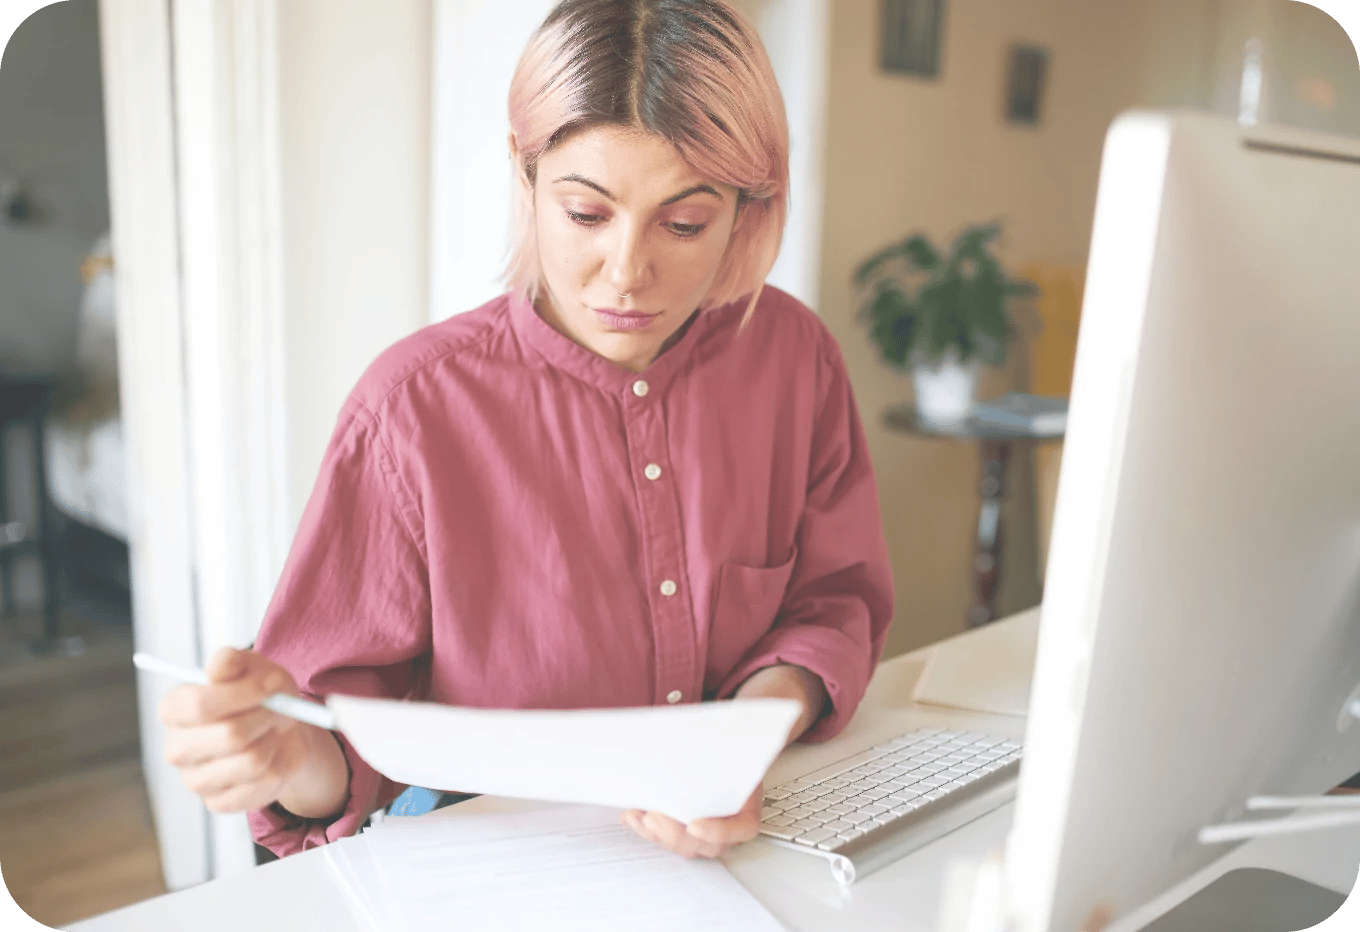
770,812
779,821
839,825
850,835
862,785
874,810
817,805
841,808
814,837
807,825
798,813
783,834
856,818
778,793
876,795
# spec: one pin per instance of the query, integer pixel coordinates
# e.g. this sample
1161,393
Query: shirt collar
562,353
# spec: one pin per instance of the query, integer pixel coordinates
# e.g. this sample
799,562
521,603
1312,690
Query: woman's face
629,241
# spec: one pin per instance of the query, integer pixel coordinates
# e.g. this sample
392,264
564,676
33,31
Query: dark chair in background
24,402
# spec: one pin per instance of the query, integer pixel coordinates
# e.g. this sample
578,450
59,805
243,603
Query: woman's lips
624,320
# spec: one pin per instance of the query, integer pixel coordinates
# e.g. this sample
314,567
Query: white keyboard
870,809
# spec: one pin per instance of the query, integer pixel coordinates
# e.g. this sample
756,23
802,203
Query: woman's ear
520,172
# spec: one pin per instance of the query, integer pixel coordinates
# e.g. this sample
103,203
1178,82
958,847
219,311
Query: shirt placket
675,647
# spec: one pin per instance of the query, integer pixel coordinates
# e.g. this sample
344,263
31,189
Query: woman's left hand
711,838
702,838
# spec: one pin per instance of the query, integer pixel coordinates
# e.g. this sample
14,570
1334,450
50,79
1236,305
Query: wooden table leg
987,552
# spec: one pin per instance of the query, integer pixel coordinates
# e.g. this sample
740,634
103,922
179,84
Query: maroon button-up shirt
505,520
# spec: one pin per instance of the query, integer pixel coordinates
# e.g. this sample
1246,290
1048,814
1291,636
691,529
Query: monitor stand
1252,900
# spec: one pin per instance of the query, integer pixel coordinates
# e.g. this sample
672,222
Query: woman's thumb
226,664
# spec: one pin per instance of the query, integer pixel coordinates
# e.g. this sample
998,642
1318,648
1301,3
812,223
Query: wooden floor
76,836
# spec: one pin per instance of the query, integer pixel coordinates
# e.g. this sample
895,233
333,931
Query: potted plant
940,316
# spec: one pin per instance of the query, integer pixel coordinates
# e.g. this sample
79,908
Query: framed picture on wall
1026,73
911,37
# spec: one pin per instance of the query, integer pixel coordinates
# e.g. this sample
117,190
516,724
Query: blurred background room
215,213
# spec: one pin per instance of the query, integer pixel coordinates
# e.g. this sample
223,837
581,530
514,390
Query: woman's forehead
626,162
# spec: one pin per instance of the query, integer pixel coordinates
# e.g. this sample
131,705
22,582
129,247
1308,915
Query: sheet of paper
688,761
565,868
988,669
352,862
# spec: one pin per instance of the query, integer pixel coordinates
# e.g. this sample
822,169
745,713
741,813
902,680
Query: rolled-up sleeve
839,601
351,612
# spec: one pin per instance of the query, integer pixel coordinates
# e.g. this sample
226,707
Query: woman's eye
688,229
585,220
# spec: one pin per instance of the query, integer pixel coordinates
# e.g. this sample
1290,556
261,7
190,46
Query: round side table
995,443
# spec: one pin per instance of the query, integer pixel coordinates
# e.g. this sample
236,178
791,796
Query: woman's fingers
186,747
727,832
666,832
238,680
702,838
249,779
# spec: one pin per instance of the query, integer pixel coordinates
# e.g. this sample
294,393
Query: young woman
639,477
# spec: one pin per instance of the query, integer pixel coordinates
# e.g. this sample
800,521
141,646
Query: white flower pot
945,387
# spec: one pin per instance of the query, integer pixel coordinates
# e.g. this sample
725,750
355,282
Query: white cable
1241,831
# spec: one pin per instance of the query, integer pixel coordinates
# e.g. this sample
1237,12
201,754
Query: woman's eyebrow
696,189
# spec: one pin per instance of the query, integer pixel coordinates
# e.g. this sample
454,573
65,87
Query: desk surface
299,893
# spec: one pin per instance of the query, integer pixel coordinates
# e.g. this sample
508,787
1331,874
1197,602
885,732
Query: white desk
299,893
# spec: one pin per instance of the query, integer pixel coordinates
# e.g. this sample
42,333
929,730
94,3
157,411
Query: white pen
303,710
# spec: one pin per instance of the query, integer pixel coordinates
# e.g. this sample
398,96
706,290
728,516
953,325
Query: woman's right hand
238,755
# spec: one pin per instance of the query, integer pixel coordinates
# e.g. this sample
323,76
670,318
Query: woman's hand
702,838
240,756
712,838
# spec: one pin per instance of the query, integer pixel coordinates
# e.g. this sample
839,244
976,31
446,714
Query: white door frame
190,96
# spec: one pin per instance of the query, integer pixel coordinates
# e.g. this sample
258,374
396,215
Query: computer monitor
1200,633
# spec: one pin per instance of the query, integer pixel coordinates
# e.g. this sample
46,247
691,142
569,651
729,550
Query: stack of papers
1038,414
564,868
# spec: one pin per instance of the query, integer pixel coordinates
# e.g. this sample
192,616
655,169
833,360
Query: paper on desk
690,761
566,868
988,669
352,861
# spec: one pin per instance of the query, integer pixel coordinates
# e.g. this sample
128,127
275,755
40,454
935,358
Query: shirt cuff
284,833
843,664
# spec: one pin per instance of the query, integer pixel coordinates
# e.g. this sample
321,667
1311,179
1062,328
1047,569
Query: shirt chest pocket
746,601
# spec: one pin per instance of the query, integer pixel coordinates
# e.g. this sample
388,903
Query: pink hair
691,71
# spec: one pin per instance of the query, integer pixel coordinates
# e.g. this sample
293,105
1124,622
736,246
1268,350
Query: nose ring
623,294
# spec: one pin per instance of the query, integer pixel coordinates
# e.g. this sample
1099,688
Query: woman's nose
627,266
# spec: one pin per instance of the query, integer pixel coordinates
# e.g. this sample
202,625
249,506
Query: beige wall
906,154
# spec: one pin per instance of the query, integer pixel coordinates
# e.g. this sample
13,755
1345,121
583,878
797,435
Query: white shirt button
652,471
674,696
641,388
668,587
